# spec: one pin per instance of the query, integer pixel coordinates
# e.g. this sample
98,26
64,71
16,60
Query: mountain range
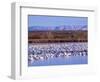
58,28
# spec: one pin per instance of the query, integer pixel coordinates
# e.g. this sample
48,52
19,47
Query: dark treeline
57,36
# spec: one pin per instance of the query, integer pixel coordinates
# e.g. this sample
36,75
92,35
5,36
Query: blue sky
47,21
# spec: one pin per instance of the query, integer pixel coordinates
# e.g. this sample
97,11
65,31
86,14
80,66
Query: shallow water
60,61
69,60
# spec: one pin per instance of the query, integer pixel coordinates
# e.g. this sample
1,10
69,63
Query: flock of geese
44,52
42,57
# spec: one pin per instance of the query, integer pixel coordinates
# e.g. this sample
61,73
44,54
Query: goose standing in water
30,58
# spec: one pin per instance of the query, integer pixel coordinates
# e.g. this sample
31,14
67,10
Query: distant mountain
84,27
63,27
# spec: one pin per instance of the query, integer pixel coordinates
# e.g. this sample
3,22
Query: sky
54,21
